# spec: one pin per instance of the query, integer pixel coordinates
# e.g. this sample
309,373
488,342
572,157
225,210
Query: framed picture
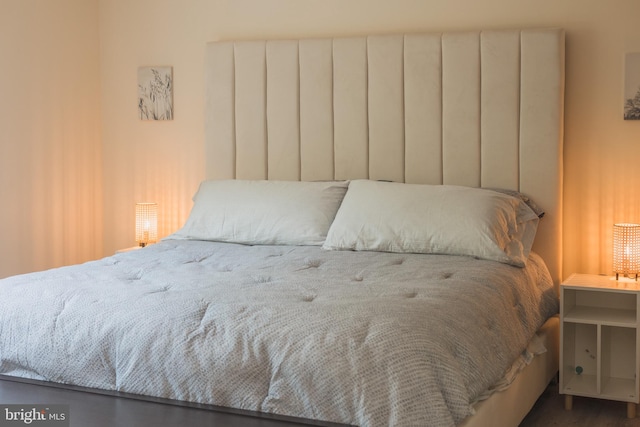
155,93
632,86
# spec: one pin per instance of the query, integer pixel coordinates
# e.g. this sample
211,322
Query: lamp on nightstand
146,223
626,250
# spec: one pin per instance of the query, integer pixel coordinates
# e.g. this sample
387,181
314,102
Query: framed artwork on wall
155,93
632,86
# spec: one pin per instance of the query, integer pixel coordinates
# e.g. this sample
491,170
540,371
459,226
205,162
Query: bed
294,287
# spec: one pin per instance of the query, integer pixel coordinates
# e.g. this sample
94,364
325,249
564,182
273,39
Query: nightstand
132,248
599,337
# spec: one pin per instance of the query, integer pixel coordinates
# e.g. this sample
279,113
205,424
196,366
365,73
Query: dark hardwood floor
91,409
98,410
549,412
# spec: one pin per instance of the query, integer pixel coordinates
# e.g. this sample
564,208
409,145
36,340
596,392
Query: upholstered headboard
482,109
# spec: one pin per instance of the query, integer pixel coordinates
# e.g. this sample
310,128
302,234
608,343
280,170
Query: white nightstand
132,248
599,335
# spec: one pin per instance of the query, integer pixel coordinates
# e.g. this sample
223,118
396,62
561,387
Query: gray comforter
364,338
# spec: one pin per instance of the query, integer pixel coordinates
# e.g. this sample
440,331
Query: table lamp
146,223
626,250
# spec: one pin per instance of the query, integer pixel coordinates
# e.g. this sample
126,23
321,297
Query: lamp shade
626,250
146,223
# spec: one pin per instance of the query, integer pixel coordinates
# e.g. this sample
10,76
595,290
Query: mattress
362,338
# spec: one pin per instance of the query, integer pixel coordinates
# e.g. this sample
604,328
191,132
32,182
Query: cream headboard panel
480,108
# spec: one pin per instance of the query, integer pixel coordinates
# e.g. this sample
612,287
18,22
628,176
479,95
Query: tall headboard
481,109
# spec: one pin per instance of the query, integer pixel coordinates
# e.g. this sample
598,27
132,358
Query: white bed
474,109
478,108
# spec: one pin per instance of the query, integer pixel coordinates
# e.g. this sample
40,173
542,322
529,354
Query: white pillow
263,212
439,219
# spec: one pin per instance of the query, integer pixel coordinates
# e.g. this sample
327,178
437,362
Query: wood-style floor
96,410
549,412
114,409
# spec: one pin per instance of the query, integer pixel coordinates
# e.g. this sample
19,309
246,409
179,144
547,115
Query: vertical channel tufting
316,110
423,108
283,98
541,134
386,107
220,120
422,97
500,104
350,108
461,108
251,125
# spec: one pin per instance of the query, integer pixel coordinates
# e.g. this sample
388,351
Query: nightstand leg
631,410
568,402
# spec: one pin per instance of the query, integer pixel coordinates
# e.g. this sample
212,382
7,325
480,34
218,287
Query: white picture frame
155,93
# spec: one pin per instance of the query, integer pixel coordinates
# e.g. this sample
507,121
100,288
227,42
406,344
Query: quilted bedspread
364,338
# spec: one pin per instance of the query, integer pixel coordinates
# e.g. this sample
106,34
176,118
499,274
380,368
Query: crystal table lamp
146,223
626,250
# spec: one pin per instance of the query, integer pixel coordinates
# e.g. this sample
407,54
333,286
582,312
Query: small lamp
626,250
146,223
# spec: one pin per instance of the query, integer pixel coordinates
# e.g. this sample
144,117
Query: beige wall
49,161
51,208
602,182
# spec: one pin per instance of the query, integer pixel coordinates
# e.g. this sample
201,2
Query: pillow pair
371,216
